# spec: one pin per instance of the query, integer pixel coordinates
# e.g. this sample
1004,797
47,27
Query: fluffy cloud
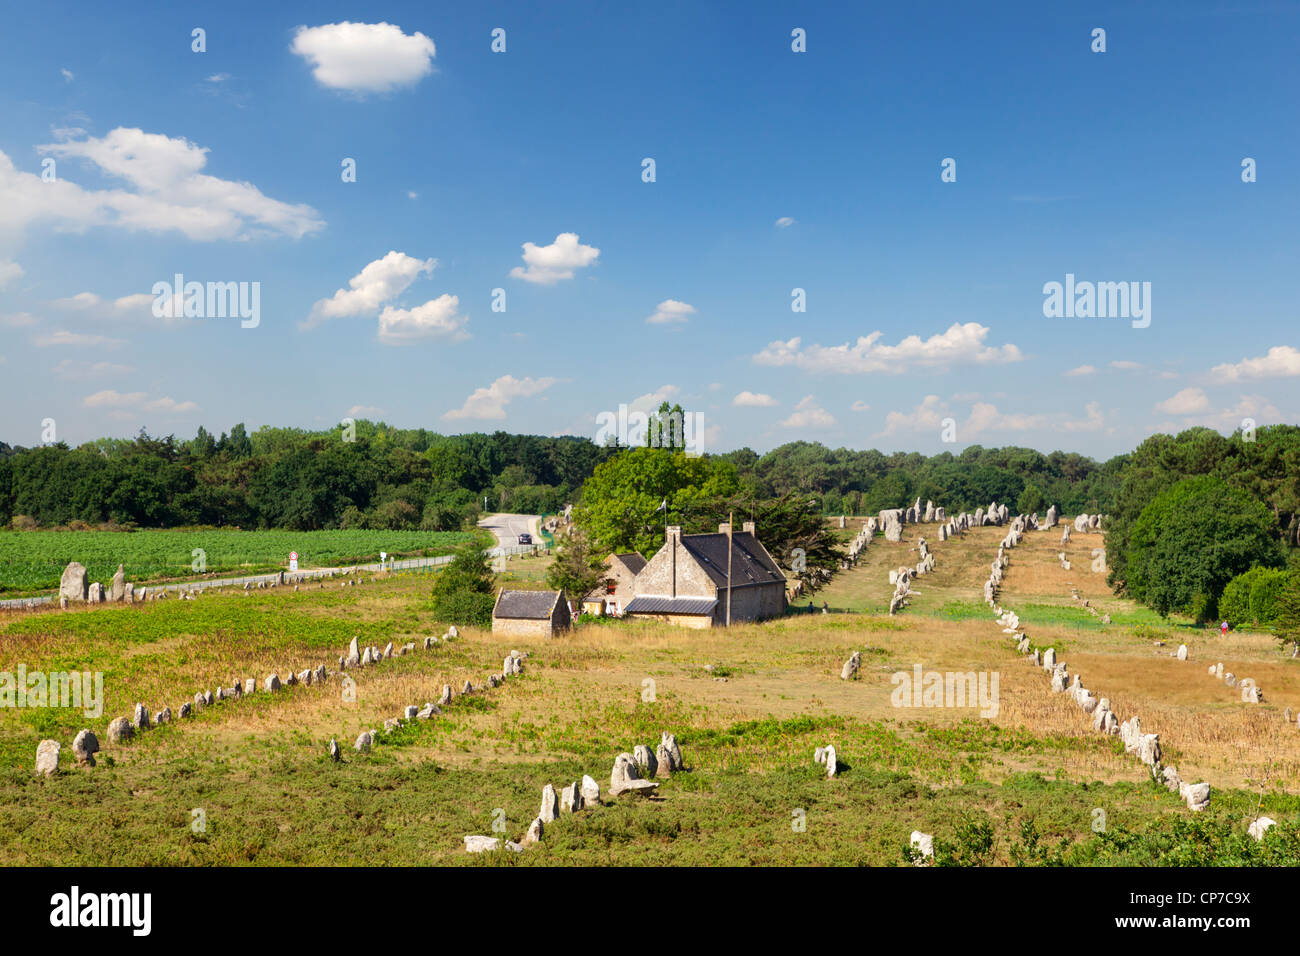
753,400
1082,370
138,305
985,417
73,370
547,265
1281,361
651,401
364,57
166,192
670,310
436,319
491,402
859,406
64,337
784,222
808,414
9,271
364,411
126,404
1187,402
961,343
380,281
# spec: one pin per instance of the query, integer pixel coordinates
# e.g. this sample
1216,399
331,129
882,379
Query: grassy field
32,561
1025,787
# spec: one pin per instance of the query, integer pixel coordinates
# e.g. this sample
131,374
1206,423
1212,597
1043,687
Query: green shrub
1251,598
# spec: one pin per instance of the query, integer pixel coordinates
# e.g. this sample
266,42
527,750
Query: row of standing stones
76,588
122,729
513,665
631,775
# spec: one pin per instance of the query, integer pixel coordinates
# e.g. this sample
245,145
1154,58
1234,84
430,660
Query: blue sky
775,170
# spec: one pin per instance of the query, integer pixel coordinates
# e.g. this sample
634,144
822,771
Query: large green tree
1194,538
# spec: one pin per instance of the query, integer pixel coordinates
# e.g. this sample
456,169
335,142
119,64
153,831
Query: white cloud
1125,365
18,320
364,57
961,343
74,370
1082,370
377,283
1281,361
1187,402
753,400
68,75
63,337
167,193
651,401
491,402
985,417
547,265
218,77
784,222
808,414
132,402
859,406
670,310
138,305
1255,407
364,411
437,318
9,271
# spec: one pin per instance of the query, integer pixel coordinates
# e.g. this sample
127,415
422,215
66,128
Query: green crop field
32,561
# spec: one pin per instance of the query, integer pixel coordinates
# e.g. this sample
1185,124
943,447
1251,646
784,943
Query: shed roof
526,605
750,562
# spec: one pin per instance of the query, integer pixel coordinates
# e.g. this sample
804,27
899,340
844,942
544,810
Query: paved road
507,528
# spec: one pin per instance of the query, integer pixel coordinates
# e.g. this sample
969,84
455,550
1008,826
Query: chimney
673,536
748,528
724,528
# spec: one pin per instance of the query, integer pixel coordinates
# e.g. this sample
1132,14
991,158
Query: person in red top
1223,628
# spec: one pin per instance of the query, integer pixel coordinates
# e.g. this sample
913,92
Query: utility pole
730,516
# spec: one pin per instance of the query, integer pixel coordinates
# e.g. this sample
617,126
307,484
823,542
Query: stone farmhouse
530,613
616,590
686,582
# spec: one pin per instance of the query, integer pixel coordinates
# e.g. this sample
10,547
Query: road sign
293,560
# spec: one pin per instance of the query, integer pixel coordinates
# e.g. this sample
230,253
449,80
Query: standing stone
1049,659
468,688
47,757
924,844
550,805
364,742
95,593
186,709
1196,796
354,655
411,711
250,686
117,588
590,791
646,761
84,747
445,699
570,799
625,778
334,750
388,650
140,717
534,834
72,585
1182,652
119,730
1260,826
482,844
163,716
832,765
851,666
272,683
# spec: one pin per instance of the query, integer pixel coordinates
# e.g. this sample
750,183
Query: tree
1194,538
577,568
465,590
792,530
629,499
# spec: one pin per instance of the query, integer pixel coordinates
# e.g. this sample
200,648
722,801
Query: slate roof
633,561
668,605
750,562
526,605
